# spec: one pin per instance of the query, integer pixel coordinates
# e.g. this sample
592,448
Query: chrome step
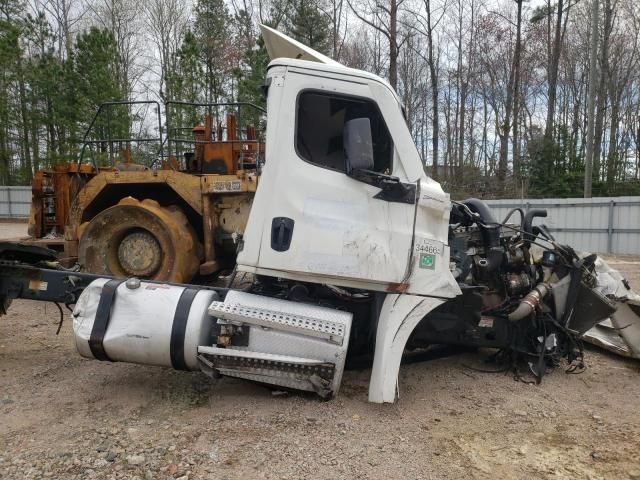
281,370
314,327
271,340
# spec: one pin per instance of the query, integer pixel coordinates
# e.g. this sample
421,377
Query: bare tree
553,70
336,12
593,66
67,14
623,56
426,24
383,16
123,19
601,88
272,12
412,87
517,54
166,21
466,62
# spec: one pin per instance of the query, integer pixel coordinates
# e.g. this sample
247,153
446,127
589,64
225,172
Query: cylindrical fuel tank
143,322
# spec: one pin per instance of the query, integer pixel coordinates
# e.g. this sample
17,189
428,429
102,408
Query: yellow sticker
38,285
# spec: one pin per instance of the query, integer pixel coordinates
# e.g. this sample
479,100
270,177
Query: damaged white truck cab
346,241
343,196
344,200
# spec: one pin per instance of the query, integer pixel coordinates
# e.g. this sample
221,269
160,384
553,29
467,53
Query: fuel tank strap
101,322
179,328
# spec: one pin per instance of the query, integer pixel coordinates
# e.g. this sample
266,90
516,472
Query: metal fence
15,202
604,224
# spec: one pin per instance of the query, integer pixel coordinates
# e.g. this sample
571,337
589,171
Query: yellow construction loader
180,216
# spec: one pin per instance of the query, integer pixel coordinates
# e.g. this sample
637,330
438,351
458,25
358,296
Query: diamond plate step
282,370
235,312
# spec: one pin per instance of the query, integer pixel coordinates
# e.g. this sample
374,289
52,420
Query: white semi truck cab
344,198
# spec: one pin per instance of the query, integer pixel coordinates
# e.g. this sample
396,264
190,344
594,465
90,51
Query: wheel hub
139,254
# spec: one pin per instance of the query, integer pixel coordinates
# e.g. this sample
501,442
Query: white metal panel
15,202
279,45
603,223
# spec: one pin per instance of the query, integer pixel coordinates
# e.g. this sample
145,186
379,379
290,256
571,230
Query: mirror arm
391,188
376,179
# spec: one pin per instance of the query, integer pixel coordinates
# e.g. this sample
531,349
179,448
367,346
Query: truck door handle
281,233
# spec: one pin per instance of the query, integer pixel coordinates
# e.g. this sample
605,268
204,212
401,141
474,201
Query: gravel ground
62,416
12,230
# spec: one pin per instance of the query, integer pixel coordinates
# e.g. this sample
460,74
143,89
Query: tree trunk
5,172
52,147
516,92
503,132
449,133
612,154
601,89
461,95
485,128
24,114
435,122
393,44
461,133
34,137
553,71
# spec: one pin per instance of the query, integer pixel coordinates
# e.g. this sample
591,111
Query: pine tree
213,35
187,84
95,60
10,30
306,23
51,103
251,79
251,70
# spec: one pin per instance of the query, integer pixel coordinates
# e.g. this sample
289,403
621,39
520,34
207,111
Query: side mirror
358,145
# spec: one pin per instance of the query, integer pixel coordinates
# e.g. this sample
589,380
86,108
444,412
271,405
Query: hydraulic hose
481,208
490,231
511,212
528,236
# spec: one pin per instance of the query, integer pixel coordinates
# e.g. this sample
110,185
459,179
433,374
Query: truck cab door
310,219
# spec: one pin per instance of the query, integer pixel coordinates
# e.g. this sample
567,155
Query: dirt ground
62,416
12,230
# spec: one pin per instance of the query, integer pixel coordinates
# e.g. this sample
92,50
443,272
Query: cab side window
320,122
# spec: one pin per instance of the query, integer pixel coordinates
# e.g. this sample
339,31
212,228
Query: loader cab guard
105,132
239,125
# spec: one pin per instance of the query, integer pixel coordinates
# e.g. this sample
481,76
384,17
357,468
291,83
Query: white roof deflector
280,46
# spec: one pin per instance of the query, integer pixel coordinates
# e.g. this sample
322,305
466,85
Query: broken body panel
619,333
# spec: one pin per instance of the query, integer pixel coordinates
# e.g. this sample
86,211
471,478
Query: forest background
496,92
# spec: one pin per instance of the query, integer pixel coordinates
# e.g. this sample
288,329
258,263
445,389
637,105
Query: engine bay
523,293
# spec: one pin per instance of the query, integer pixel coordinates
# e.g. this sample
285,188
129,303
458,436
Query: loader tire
140,239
